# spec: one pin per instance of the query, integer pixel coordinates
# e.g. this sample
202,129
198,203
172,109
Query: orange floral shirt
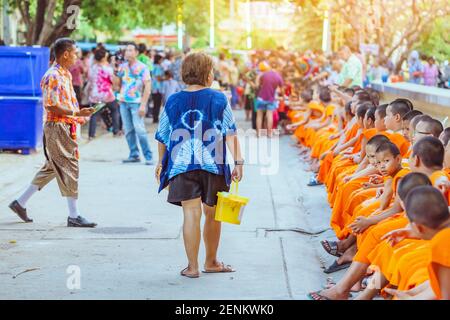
57,90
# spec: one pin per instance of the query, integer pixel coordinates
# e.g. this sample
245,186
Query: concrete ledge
432,100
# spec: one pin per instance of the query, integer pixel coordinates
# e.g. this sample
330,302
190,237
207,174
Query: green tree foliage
435,41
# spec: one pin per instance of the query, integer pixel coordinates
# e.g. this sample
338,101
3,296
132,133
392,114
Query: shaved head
427,206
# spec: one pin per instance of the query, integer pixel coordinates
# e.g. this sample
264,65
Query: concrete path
137,250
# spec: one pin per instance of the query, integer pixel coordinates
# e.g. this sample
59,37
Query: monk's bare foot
334,294
357,287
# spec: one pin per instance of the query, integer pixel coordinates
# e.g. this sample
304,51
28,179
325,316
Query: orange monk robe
357,198
367,134
339,162
322,135
387,258
337,193
323,142
395,182
338,220
376,232
317,110
381,256
440,258
326,163
397,254
409,268
400,141
404,266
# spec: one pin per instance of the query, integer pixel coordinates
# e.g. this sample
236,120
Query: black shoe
20,211
131,160
80,222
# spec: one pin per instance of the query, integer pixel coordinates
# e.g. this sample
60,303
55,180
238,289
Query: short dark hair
430,150
434,126
389,147
134,45
348,108
142,48
168,73
62,45
446,136
405,101
325,95
99,54
363,95
381,110
427,206
307,95
411,115
349,91
411,181
377,140
370,114
195,68
362,108
399,107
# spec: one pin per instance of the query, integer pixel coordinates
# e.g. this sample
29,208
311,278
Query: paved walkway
137,250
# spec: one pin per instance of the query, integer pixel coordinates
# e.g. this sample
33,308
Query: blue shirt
157,84
193,126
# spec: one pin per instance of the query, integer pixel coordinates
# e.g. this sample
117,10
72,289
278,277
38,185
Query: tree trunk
41,30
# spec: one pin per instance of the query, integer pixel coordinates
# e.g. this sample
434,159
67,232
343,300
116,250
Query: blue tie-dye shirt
193,126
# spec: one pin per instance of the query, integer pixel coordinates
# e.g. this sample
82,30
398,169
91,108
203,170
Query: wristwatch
239,162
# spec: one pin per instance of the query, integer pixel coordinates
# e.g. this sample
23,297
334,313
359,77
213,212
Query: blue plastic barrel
22,69
21,123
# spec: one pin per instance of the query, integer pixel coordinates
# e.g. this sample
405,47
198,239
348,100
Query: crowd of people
93,79
386,169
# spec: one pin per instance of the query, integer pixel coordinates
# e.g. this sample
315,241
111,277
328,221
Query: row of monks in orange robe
386,169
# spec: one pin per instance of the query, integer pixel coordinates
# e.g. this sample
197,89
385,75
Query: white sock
73,209
23,199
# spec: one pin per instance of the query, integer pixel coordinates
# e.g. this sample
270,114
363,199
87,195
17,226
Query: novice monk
357,270
426,158
347,139
395,112
347,163
389,160
429,218
338,219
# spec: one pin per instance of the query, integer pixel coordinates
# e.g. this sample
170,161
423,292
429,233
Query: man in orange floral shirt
60,145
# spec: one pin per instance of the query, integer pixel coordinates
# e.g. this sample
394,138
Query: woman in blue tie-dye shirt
195,128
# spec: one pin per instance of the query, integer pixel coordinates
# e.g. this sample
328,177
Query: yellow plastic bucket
230,206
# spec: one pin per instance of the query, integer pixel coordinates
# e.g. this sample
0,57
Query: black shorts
196,184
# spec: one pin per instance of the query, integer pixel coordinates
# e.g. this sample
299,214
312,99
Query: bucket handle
234,187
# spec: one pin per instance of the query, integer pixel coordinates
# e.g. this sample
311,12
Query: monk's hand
379,192
443,186
367,185
398,235
361,224
348,178
323,155
376,179
400,295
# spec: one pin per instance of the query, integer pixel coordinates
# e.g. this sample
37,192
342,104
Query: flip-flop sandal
336,267
331,247
314,182
316,296
188,275
224,269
